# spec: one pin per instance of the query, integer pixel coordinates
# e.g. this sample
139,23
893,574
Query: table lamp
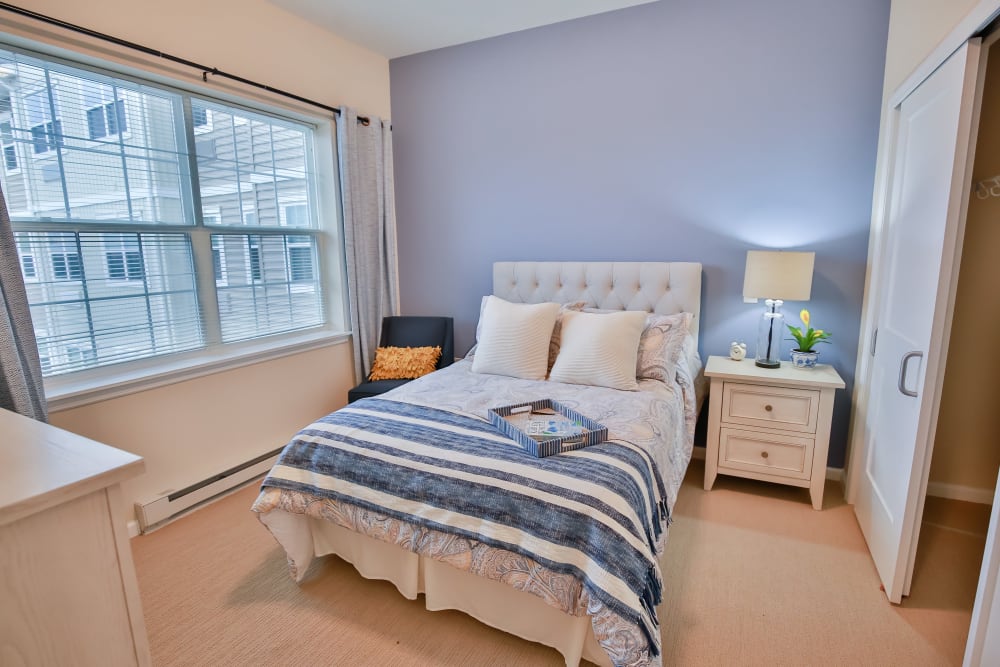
776,276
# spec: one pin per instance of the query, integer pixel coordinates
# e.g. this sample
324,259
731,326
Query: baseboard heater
169,504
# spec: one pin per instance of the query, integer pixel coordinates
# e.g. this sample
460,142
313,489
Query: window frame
103,382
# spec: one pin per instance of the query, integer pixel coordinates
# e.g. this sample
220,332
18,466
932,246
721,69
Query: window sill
66,392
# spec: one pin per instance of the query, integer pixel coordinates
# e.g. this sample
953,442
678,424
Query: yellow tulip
804,316
819,332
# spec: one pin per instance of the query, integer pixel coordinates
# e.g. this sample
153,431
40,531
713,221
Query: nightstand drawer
770,407
769,453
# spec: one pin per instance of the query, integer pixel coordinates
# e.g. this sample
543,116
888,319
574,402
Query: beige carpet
754,576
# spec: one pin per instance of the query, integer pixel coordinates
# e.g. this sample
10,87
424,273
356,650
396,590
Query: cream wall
251,38
192,429
964,453
915,28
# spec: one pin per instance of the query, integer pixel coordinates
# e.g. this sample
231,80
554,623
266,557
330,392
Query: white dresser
68,592
770,424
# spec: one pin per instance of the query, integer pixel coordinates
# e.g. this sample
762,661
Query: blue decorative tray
545,427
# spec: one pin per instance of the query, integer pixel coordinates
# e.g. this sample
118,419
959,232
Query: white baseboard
133,528
958,492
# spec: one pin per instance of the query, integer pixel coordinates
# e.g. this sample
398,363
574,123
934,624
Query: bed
590,597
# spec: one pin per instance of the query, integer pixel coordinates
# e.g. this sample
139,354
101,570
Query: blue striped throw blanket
596,513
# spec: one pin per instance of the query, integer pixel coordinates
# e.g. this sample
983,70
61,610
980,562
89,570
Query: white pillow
599,350
514,338
553,343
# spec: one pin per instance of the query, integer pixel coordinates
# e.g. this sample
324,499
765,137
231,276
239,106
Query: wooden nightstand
770,424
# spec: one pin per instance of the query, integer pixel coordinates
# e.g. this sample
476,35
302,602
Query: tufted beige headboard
657,287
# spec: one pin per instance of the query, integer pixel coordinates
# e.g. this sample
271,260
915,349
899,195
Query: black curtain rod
205,69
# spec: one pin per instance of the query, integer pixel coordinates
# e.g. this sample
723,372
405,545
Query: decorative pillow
600,349
660,346
514,338
553,342
404,363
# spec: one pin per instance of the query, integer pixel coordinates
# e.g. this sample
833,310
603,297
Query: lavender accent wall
689,130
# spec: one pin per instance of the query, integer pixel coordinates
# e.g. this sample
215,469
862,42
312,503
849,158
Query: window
43,121
47,136
253,257
277,290
28,268
219,260
123,257
110,231
199,116
300,258
297,215
65,258
107,119
9,150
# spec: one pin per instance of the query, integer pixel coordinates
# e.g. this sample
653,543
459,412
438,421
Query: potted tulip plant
804,356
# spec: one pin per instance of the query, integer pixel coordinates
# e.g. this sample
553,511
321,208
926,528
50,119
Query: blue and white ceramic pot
804,359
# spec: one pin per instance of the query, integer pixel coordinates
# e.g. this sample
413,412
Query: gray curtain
20,373
366,182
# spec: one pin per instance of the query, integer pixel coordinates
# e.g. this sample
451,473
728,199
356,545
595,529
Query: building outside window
109,233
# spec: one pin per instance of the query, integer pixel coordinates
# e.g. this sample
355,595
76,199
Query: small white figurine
737,351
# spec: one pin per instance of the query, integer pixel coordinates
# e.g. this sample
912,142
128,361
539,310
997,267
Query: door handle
903,365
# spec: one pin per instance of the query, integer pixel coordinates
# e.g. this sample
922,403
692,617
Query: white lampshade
775,274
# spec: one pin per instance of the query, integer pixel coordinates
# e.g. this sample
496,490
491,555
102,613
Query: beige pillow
553,342
514,338
600,349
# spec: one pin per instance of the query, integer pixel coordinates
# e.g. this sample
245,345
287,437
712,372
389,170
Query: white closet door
916,275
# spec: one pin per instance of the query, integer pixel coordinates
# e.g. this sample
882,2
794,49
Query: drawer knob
768,407
763,455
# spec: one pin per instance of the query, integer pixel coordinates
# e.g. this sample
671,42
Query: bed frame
660,287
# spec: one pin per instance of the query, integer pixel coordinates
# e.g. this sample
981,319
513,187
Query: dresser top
746,370
42,466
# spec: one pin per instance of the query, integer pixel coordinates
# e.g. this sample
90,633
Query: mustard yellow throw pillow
404,363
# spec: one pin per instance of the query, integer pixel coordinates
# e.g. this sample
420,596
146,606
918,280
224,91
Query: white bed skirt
444,587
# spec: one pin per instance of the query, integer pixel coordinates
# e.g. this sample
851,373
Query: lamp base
769,330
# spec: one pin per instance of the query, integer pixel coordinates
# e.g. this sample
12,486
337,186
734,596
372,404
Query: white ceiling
396,28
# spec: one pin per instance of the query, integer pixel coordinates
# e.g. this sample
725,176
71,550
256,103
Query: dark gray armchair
410,331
